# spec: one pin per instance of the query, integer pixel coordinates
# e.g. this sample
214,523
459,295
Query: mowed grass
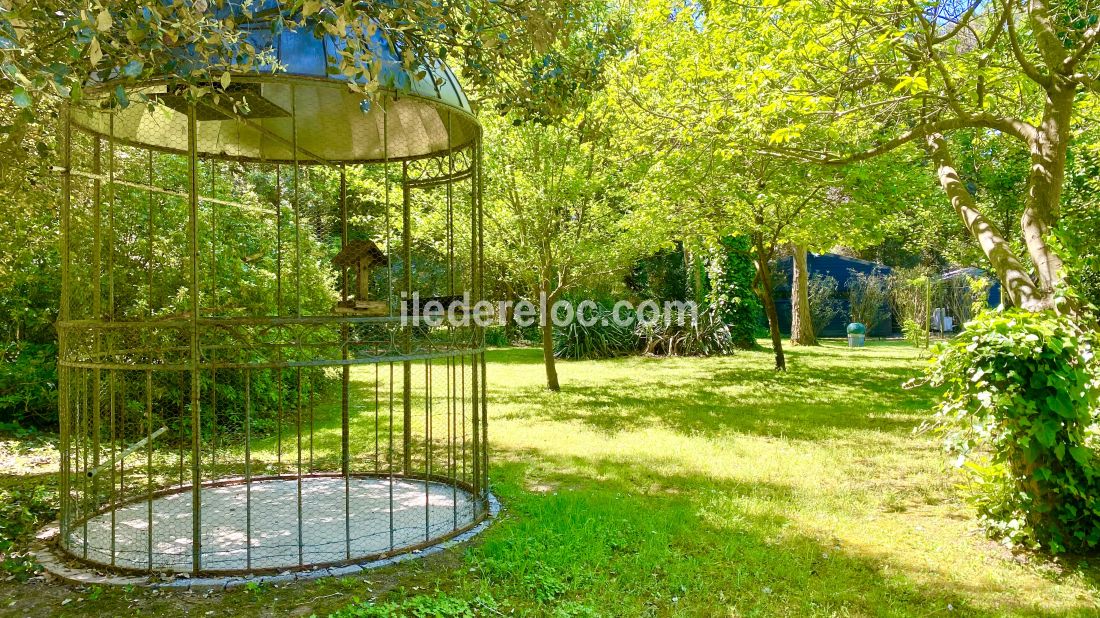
693,487
719,487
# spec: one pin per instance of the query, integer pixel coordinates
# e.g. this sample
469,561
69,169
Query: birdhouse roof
357,251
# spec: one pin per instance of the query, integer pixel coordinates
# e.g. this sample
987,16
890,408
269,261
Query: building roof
358,250
969,271
840,267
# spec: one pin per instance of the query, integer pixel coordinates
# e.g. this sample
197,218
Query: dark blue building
840,268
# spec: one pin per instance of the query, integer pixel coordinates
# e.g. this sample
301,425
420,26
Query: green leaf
1080,454
786,134
121,97
95,52
135,34
103,21
1046,435
1061,404
912,84
20,97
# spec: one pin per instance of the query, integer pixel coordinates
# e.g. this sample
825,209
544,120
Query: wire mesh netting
382,518
239,389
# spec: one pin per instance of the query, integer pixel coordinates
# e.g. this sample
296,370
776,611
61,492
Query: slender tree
552,219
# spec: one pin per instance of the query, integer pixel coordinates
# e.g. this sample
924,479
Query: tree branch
1016,282
1014,42
962,22
1088,81
1091,36
1046,35
1009,126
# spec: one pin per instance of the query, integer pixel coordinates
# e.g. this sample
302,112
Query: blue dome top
302,53
304,100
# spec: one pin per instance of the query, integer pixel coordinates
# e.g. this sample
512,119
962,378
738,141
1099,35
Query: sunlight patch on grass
804,492
34,455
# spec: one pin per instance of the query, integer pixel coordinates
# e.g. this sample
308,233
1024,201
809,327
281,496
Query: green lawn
710,487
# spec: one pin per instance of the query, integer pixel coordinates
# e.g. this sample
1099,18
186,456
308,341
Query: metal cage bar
174,380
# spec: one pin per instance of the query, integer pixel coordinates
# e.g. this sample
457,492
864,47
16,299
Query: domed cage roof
304,101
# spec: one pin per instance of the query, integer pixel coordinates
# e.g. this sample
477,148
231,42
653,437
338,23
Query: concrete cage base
421,511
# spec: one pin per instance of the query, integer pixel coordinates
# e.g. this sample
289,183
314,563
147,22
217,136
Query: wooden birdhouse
361,256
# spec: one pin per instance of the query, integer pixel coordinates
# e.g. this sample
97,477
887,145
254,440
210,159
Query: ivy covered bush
1020,413
723,272
730,275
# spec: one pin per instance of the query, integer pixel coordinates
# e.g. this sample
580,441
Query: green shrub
707,336
603,339
28,384
530,335
824,304
725,282
914,333
1020,412
867,296
24,508
496,336
912,294
730,274
663,276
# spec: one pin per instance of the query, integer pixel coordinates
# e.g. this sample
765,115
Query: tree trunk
548,356
1045,180
1016,283
697,271
546,325
689,282
802,323
764,290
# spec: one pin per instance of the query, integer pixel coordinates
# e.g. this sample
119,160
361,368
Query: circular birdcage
241,389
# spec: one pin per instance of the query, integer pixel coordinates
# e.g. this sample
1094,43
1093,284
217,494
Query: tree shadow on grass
806,407
620,537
